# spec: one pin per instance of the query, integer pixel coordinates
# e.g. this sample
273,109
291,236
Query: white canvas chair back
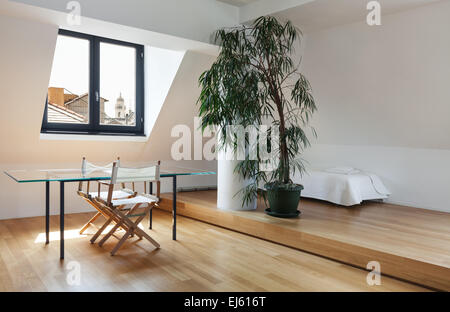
88,167
124,175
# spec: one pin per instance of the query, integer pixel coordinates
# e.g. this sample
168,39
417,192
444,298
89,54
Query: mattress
342,187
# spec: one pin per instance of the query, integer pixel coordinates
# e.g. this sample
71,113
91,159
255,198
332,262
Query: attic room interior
205,148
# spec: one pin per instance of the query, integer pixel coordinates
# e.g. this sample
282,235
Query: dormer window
96,86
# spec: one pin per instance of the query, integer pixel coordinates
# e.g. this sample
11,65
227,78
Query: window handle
97,97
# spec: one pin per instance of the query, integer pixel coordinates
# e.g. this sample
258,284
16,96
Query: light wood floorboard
205,258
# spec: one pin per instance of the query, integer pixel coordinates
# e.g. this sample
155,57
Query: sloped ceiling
321,14
238,3
313,15
180,104
193,19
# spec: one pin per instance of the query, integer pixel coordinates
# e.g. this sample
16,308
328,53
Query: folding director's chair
88,196
127,213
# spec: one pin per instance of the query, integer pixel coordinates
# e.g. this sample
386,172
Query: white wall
25,60
384,101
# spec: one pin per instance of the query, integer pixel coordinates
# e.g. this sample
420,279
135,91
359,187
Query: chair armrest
83,194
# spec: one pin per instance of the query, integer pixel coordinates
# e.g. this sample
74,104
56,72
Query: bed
342,185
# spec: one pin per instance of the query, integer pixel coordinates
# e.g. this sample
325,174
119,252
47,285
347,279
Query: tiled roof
59,114
80,97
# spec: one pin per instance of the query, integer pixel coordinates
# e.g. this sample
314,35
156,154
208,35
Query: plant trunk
284,158
284,155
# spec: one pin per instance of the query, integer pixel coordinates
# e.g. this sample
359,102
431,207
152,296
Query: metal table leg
47,212
151,211
61,219
174,209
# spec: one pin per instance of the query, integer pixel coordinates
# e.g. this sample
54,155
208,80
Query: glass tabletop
67,175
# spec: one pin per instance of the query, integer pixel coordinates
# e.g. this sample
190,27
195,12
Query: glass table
76,175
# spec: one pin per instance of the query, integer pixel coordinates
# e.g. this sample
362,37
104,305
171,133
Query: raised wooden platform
411,244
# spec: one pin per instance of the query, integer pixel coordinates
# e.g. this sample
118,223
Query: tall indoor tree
255,80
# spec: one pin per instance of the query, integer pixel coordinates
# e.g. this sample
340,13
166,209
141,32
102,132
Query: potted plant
255,81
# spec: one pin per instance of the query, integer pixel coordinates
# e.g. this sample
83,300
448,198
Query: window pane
68,92
117,85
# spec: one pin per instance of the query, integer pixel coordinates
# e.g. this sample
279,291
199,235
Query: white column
229,184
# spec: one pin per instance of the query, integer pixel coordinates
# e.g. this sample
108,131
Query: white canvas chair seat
119,194
139,199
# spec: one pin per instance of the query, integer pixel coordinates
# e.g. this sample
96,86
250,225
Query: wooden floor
205,258
409,243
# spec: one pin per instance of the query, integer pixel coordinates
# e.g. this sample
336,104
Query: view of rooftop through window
68,92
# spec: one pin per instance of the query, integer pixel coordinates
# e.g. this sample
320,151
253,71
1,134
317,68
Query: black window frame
94,126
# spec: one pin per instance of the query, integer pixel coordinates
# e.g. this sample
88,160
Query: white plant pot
229,184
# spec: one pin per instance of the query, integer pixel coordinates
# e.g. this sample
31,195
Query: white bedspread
342,186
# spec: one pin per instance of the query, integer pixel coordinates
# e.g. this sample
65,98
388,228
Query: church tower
120,107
